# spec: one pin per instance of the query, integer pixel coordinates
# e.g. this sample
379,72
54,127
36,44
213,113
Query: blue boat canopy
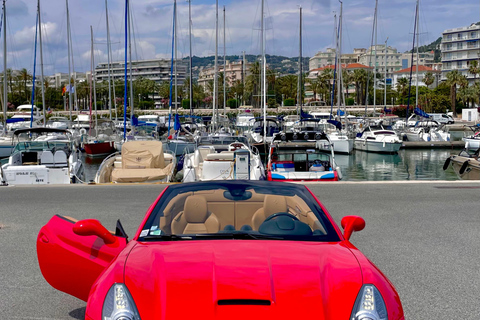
421,113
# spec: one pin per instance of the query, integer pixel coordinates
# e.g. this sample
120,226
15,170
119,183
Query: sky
152,22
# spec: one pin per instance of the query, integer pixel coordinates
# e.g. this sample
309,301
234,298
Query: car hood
224,279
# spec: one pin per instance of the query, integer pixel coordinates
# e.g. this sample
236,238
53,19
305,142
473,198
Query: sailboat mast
69,66
41,62
375,62
385,77
411,63
190,40
416,64
332,94
93,81
125,76
299,88
262,73
130,63
224,67
175,60
5,98
370,57
214,118
108,58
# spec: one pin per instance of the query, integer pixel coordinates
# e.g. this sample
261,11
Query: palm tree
24,77
347,77
454,79
428,79
402,86
474,69
359,79
314,85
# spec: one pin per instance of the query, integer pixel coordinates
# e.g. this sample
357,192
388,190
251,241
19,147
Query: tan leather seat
195,218
271,204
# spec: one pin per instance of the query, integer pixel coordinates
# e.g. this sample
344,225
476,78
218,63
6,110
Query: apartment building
158,70
234,70
323,59
460,46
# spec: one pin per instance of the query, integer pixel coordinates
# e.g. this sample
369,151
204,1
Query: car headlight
369,305
119,305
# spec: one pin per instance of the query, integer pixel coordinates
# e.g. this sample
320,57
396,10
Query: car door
69,262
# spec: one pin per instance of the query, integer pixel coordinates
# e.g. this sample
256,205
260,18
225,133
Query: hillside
282,65
435,47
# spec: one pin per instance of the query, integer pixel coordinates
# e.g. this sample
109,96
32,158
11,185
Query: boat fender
317,136
339,173
283,136
294,136
83,131
446,164
306,136
463,167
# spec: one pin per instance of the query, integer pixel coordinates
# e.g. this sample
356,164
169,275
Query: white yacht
23,118
378,139
43,156
427,131
223,158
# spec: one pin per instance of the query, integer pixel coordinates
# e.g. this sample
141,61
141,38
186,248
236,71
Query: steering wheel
280,214
235,146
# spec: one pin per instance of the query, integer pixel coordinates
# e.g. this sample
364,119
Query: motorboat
466,164
43,156
256,134
428,130
378,139
223,158
244,121
58,123
288,162
473,141
25,118
139,161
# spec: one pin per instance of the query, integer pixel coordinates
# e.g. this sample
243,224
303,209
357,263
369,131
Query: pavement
424,236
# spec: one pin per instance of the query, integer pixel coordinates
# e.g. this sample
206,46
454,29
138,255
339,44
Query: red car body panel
69,262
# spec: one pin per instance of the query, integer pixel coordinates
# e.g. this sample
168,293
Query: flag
64,89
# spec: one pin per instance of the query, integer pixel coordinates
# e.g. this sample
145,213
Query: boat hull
303,176
472,144
99,148
465,168
339,146
377,146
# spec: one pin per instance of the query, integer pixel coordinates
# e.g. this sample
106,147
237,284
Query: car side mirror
92,227
351,224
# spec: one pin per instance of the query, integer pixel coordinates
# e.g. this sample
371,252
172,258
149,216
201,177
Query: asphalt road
424,236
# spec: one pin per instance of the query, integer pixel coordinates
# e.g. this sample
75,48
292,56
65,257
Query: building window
459,64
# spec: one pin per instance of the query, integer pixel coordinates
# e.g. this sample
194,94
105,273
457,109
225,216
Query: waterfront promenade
423,235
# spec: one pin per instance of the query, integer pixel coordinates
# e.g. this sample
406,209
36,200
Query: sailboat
101,137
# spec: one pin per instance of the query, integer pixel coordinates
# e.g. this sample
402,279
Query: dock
433,145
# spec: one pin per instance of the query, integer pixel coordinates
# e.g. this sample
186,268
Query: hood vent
243,302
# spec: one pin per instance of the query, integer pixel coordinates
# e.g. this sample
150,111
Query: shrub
289,102
233,103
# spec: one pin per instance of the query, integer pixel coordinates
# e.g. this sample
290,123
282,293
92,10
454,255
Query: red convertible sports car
220,250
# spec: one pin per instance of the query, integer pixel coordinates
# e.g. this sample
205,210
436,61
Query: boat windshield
238,210
42,145
221,140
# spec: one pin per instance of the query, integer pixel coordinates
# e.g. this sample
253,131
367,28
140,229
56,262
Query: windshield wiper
239,235
168,237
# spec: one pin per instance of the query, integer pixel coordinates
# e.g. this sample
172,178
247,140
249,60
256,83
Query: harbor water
408,164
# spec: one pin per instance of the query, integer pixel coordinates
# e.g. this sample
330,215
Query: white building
158,70
459,47
234,71
405,73
323,59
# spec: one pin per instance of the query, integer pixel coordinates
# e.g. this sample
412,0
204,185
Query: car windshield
238,210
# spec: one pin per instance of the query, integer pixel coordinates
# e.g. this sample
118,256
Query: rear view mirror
92,227
351,224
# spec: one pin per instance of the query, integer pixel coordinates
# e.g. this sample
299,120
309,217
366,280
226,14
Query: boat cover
142,155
